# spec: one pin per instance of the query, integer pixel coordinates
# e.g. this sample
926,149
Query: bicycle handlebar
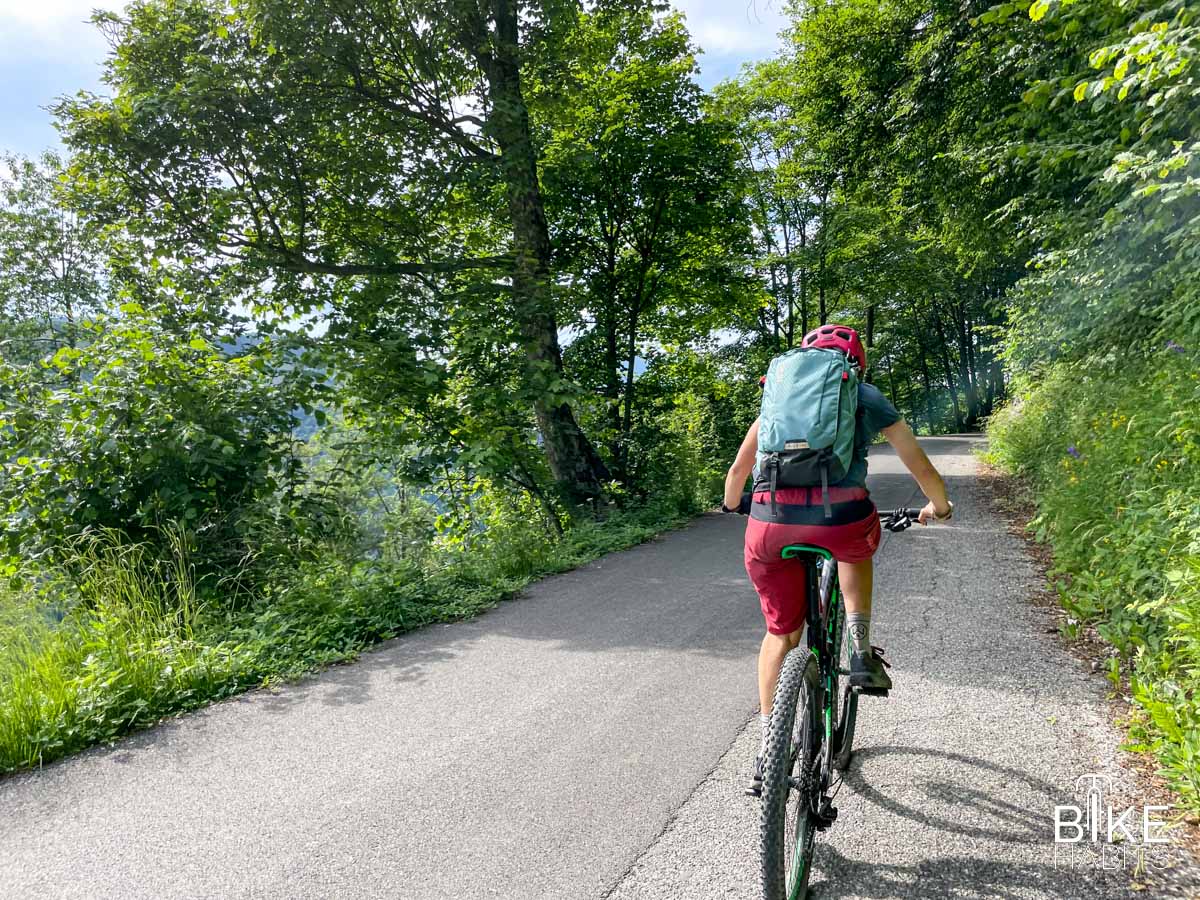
898,519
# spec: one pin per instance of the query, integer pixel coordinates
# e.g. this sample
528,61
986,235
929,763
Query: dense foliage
1105,330
142,427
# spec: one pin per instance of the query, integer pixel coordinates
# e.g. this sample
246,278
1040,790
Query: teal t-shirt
875,413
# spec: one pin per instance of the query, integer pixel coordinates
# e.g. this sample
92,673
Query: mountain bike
811,731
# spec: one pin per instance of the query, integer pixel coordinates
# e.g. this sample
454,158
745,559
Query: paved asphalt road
591,740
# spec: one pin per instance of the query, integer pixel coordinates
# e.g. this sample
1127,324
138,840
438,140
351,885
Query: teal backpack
806,424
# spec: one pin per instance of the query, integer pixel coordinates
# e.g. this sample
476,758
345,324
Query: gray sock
858,626
765,723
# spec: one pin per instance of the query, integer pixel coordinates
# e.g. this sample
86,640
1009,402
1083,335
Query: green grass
134,644
1114,455
125,653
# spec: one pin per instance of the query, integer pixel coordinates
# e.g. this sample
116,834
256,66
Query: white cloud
745,28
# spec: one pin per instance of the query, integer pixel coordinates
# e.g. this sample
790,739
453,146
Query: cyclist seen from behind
810,490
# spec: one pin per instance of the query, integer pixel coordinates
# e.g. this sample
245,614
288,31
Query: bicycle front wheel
791,778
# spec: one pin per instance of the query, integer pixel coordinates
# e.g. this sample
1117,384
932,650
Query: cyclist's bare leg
856,580
770,660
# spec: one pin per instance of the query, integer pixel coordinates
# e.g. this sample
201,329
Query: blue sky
48,49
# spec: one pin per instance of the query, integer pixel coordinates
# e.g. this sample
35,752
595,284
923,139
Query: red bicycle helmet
838,337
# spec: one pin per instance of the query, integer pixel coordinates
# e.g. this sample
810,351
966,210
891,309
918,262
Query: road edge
1010,499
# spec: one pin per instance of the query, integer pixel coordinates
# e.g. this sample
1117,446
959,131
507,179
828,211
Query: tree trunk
775,303
789,285
996,390
821,289
929,416
970,329
964,365
630,362
822,258
612,381
989,399
947,369
576,466
910,391
804,278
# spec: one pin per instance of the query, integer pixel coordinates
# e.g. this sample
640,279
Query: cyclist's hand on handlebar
929,513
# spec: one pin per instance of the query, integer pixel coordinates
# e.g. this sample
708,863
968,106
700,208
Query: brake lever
899,523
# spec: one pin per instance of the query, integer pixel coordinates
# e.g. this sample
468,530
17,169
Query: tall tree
345,154
871,118
642,190
51,263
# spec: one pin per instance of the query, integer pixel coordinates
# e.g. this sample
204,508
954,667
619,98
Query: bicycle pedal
872,692
825,816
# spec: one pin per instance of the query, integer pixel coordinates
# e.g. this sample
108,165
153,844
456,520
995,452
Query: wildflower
1171,345
1075,453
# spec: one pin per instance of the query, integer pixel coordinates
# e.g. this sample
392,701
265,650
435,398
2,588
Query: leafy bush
142,427
1114,453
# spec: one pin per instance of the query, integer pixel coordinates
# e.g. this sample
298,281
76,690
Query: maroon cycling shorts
780,582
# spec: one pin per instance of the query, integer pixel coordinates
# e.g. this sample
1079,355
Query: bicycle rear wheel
791,780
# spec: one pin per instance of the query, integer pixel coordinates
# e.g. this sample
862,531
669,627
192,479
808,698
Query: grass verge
1113,456
133,644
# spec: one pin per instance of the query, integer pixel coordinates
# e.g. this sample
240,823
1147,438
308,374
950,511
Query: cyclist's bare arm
743,463
901,437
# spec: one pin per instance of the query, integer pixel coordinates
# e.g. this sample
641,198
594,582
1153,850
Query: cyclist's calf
770,658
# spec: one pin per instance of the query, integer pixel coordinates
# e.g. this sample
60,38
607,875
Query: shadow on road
974,805
683,593
964,877
688,592
959,794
